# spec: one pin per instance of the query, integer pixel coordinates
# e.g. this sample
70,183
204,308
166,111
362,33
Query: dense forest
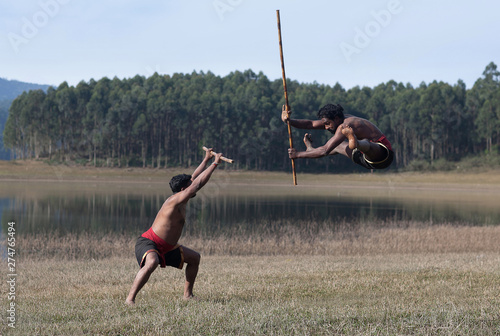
9,90
4,113
163,121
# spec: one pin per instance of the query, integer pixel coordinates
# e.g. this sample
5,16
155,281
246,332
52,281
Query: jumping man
159,244
354,137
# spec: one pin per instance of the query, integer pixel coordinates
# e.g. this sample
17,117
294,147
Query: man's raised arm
203,164
200,180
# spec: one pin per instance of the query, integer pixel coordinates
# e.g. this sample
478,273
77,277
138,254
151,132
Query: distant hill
9,90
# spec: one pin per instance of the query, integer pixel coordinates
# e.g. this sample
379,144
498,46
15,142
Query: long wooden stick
222,158
287,107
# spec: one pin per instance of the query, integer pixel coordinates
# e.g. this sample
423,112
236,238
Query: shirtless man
354,137
159,244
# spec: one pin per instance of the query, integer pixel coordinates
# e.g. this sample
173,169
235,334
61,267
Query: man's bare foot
191,297
129,303
308,142
348,132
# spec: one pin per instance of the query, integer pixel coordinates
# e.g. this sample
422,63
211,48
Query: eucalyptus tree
15,127
483,102
93,122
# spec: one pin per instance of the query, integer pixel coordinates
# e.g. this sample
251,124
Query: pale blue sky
363,42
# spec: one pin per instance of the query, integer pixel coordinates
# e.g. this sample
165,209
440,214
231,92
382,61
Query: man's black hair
179,181
331,111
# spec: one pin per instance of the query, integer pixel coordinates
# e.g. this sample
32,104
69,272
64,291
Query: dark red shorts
169,255
383,140
359,158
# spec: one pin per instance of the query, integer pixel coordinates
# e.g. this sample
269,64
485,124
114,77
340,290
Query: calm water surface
131,208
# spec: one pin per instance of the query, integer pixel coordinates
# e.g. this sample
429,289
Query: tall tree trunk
165,146
432,153
143,150
159,148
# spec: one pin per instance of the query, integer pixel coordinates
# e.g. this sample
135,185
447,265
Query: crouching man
159,245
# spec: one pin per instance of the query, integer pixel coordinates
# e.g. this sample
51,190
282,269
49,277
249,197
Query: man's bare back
362,128
170,220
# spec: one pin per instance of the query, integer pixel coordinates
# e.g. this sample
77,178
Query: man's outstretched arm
301,123
306,124
321,151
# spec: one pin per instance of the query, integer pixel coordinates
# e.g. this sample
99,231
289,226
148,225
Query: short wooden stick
222,158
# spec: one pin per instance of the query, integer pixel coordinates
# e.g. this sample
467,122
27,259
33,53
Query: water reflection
105,210
296,209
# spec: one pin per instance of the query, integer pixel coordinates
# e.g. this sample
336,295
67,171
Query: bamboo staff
222,158
287,107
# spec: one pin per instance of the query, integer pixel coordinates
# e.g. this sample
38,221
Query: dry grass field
281,239
404,279
398,278
395,294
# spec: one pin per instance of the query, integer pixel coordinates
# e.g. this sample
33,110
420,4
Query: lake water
131,208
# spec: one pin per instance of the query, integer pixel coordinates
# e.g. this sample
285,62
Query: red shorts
383,140
359,158
163,247
171,255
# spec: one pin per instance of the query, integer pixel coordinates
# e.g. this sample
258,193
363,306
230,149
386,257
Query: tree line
163,121
9,90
